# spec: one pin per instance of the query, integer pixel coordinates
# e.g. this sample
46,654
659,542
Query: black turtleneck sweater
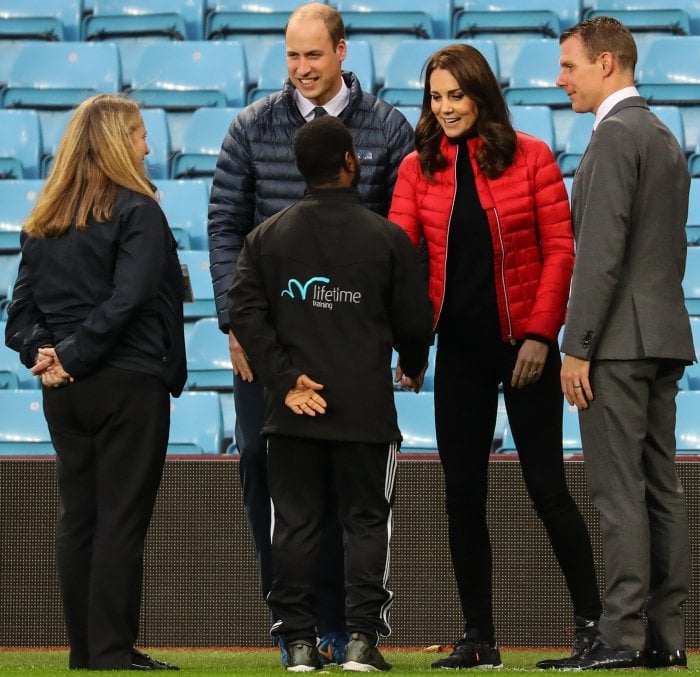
469,317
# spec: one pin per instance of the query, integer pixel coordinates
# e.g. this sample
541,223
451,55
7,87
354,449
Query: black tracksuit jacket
326,288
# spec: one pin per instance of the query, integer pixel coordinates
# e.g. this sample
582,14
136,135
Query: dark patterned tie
319,111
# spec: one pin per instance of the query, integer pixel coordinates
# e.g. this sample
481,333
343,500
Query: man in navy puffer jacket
255,177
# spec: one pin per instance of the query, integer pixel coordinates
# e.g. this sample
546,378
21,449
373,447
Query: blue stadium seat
273,68
171,19
197,262
185,204
20,144
202,142
645,17
669,74
403,84
196,424
23,428
10,366
416,415
533,83
17,199
694,160
208,358
691,281
568,182
189,75
535,72
576,143
13,374
691,377
439,11
692,227
535,120
40,20
9,49
688,422
511,23
53,128
672,117
257,26
385,23
571,434
411,113
137,23
60,75
183,76
158,138
9,264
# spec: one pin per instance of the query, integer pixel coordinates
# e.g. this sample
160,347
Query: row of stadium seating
27,148
185,204
182,77
199,424
213,19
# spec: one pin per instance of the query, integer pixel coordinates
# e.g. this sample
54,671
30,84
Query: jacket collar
629,102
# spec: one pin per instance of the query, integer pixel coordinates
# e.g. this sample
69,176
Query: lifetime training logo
321,296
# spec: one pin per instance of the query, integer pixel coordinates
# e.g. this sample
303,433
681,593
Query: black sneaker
471,653
302,656
361,656
585,632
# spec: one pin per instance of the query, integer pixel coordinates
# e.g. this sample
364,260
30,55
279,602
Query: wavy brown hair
493,126
95,157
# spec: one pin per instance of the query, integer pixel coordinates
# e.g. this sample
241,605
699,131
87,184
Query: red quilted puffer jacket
528,213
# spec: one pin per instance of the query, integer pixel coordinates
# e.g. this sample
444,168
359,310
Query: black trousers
249,400
110,432
466,400
362,475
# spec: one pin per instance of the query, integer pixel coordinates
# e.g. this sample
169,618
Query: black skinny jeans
466,398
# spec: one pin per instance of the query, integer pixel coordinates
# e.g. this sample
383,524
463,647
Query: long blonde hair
95,157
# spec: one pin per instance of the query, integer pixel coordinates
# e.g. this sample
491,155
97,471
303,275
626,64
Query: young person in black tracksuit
324,290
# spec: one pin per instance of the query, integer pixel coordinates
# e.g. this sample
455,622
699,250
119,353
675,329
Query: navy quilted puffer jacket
256,175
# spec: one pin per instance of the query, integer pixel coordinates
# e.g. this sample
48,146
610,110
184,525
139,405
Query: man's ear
349,162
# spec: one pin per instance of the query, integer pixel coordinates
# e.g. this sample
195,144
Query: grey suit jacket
629,209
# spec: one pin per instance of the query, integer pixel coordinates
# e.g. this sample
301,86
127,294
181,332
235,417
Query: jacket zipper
447,240
503,277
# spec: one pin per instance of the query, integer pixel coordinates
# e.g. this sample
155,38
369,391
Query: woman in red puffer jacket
493,210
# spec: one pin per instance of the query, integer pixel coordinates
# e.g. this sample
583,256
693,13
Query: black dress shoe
585,632
142,661
670,660
602,657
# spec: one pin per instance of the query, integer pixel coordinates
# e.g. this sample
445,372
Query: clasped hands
49,368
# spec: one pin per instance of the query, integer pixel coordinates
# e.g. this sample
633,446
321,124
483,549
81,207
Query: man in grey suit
627,340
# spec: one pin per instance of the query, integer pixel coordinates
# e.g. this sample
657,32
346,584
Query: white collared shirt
333,107
609,103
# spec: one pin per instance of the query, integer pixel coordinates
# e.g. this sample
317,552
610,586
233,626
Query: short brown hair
329,15
605,34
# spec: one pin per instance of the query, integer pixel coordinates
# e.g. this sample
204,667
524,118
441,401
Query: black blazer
109,294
